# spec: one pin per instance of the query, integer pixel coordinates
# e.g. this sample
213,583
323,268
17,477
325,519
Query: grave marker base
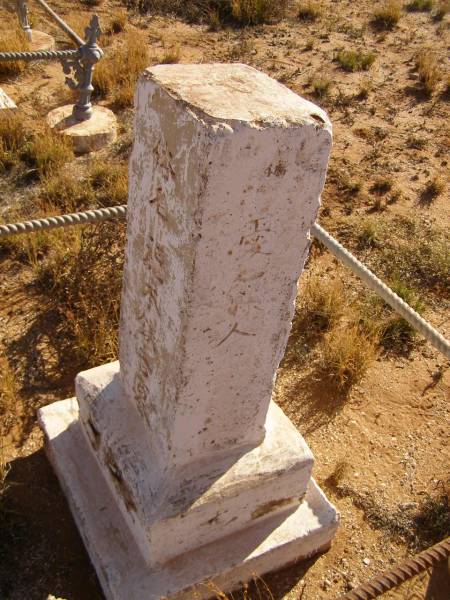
288,537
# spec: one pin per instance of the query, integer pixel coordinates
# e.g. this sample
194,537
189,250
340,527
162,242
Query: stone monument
182,473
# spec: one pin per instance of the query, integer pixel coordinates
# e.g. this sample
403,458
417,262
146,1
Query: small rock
366,561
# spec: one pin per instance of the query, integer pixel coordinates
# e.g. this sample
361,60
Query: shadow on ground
41,552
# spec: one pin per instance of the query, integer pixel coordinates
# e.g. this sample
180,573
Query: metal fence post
22,12
83,66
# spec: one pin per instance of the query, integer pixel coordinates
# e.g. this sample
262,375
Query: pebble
366,561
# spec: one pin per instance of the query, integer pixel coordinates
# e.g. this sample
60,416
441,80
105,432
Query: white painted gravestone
179,468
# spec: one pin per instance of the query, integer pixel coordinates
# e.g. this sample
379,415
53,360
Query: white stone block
182,443
5,100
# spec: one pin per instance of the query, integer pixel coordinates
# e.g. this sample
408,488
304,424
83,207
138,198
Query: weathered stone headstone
178,466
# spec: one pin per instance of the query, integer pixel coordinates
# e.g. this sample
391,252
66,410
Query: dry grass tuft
117,22
47,151
64,191
82,277
254,12
217,12
428,70
13,40
365,87
12,137
420,5
310,10
382,186
346,352
172,55
321,86
109,181
323,303
105,185
387,15
117,74
330,323
441,10
406,249
9,388
355,60
432,518
367,235
395,332
433,188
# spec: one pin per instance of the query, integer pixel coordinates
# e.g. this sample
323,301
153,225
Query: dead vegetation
83,280
346,352
428,71
217,13
387,14
309,10
321,86
116,75
13,40
9,388
13,136
419,5
355,60
38,147
420,525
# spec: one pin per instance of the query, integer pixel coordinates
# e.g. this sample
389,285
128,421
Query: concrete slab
289,536
87,136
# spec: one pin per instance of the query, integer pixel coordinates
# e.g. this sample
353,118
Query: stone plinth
86,136
197,474
5,101
41,41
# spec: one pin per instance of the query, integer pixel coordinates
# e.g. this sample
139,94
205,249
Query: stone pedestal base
40,41
288,536
87,136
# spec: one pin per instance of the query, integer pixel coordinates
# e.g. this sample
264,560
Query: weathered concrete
225,179
284,538
215,498
87,136
5,100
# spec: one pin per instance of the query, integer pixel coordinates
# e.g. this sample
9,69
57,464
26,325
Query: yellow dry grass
13,40
116,75
428,70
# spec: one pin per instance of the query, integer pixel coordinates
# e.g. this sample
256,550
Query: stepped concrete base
41,42
287,537
87,136
202,502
